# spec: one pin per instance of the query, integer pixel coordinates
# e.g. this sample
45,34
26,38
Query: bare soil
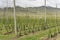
54,38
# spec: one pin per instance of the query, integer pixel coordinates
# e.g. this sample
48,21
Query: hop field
28,25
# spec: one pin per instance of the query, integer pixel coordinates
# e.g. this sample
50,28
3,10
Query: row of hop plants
6,25
54,23
26,25
29,25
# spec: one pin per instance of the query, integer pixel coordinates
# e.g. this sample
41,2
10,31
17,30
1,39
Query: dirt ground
54,38
58,37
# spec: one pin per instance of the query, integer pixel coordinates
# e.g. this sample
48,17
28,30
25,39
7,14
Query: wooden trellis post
45,11
15,19
56,17
45,15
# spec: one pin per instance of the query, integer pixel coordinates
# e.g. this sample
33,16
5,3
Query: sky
29,3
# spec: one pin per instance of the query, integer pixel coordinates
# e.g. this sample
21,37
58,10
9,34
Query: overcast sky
29,3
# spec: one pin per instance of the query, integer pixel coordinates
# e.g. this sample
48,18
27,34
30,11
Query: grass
35,36
38,35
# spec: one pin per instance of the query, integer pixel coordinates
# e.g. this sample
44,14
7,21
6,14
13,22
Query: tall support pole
45,15
15,19
49,32
56,17
7,12
45,11
56,31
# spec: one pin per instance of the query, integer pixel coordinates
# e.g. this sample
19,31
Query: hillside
33,9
